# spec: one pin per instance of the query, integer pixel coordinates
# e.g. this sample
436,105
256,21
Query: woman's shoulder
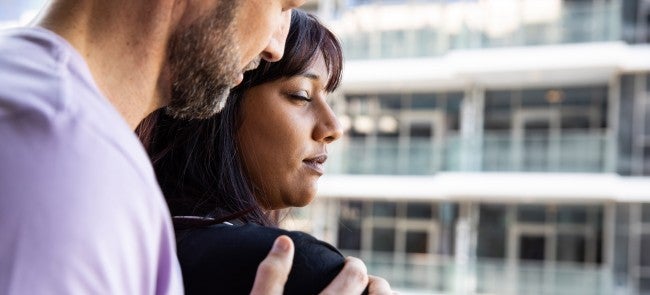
232,253
246,236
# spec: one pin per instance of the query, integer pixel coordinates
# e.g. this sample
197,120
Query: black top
223,259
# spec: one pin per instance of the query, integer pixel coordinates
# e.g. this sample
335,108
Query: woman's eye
302,95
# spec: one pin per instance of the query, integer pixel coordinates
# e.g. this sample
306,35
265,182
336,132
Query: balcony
567,152
430,274
429,30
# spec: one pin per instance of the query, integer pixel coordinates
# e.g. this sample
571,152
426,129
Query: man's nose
275,49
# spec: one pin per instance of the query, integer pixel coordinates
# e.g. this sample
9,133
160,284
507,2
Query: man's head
215,43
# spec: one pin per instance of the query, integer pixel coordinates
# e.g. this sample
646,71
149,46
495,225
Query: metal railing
574,23
430,274
568,152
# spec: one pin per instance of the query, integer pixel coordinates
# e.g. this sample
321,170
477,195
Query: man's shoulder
48,96
41,73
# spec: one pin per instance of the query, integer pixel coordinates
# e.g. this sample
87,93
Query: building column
465,249
613,117
471,129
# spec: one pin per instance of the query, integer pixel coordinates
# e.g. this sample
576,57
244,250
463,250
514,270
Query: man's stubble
204,61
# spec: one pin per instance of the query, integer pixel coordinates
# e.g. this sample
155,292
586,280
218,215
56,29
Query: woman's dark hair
198,163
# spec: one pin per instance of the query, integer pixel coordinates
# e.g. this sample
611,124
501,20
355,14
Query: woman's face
285,128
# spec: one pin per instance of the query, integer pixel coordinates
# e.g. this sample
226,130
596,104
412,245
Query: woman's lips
316,163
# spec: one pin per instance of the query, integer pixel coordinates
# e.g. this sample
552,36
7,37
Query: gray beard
204,62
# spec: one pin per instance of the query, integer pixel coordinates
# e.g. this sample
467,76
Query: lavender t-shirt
80,209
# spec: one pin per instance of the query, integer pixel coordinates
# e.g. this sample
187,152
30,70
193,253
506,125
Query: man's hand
274,270
272,274
379,286
354,278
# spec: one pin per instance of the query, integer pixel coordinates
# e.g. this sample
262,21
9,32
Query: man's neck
125,46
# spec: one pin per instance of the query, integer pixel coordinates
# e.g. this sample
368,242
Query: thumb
274,270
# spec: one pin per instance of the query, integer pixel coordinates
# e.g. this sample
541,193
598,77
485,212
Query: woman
225,178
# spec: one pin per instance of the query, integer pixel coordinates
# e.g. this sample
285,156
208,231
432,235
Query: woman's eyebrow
310,75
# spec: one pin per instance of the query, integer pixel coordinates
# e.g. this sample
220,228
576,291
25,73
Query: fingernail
280,245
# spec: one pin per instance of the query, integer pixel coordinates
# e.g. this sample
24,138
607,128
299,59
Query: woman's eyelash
299,96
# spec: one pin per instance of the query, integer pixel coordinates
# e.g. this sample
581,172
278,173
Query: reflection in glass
531,213
384,209
383,239
416,242
571,248
532,247
418,210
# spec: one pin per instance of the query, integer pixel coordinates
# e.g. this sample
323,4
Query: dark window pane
531,213
349,236
645,210
497,100
418,210
383,239
448,213
384,209
417,242
531,248
572,214
645,252
621,240
421,130
644,286
454,99
534,98
351,210
575,122
349,232
424,101
571,248
646,157
492,231
581,96
390,101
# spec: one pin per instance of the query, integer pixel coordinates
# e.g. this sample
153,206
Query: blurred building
492,146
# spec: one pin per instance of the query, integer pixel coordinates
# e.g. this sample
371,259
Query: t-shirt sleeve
80,211
75,216
225,258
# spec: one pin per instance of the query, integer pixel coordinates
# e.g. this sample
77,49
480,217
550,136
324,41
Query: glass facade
582,125
438,27
411,242
485,247
434,247
634,132
560,129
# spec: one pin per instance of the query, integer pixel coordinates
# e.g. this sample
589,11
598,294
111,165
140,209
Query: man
80,210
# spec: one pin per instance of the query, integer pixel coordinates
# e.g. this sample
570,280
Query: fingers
272,273
378,286
352,279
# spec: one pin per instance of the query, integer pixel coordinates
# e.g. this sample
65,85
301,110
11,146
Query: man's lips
250,66
253,64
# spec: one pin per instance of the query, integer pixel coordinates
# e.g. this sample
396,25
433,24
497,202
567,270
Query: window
531,213
418,211
492,231
383,239
349,232
384,209
417,242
